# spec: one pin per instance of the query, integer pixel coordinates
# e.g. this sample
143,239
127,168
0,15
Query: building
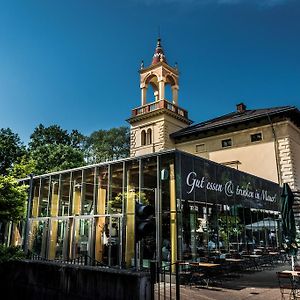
262,142
198,207
170,201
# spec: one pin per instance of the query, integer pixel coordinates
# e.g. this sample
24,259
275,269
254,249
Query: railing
165,281
159,105
84,260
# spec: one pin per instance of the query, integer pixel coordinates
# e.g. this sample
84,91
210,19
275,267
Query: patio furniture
287,285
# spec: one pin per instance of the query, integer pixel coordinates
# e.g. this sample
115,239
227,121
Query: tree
50,158
12,199
54,149
23,168
103,145
52,135
11,149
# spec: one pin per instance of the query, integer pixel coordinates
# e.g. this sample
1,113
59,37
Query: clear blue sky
75,62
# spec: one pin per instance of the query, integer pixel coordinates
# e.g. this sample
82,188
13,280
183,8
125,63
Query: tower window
146,137
149,137
143,138
256,137
226,143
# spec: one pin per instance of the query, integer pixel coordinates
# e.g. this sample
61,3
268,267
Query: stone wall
37,280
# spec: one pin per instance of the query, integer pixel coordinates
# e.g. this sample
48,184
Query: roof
158,54
242,115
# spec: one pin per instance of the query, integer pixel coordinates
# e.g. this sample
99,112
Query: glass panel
44,198
132,195
102,180
62,242
64,197
168,207
114,241
116,188
147,197
82,237
77,187
101,250
35,199
87,207
38,237
54,190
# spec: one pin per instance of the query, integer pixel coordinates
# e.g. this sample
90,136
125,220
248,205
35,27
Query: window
256,137
149,137
143,138
200,148
146,137
226,143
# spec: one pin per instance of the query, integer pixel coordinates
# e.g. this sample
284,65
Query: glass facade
223,210
200,207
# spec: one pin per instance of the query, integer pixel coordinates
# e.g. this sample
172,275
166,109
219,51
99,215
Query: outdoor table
203,272
293,273
234,259
203,264
273,253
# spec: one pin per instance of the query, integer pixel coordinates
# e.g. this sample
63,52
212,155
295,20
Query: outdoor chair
297,268
287,286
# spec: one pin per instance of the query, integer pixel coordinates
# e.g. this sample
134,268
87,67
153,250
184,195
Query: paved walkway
258,285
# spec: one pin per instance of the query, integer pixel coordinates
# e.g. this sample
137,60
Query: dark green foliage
50,158
104,145
11,149
12,199
54,149
55,135
10,253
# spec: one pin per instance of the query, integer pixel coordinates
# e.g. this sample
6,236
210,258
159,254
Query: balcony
159,105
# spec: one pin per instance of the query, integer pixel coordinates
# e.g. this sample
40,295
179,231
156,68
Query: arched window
149,136
143,138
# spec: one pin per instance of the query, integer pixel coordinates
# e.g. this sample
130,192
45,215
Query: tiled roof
235,118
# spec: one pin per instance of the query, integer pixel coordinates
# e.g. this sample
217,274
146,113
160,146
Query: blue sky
75,62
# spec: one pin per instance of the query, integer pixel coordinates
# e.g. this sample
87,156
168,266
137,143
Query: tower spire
159,54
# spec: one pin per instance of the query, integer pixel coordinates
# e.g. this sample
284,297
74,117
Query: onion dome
158,54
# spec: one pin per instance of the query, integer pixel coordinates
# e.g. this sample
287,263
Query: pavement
256,285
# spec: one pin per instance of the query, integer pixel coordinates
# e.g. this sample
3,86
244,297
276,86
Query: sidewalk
258,285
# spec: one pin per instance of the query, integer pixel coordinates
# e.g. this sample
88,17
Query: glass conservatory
199,207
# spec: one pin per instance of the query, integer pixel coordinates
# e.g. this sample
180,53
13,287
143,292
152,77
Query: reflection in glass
116,188
64,199
38,240
88,192
44,197
82,237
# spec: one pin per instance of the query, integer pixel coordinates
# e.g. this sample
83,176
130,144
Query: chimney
241,107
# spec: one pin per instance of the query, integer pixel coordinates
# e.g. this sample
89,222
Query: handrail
158,105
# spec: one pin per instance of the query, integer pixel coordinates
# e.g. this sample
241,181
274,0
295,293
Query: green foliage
54,149
10,253
52,135
229,226
12,199
23,168
50,158
11,149
104,145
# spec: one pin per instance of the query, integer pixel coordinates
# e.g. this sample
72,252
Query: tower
154,121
